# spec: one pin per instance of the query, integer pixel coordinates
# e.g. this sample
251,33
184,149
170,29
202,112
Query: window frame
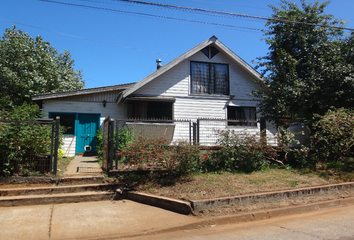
211,92
134,108
242,122
54,114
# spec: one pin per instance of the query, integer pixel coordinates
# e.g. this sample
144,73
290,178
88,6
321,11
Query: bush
20,141
241,152
156,153
333,138
125,137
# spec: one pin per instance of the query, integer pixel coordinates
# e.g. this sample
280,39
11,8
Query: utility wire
89,39
232,14
153,15
170,9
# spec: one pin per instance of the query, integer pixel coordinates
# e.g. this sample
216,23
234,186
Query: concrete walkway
89,220
83,166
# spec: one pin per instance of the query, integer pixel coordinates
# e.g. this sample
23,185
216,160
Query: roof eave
48,96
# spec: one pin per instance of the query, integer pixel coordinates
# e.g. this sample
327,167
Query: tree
309,67
31,66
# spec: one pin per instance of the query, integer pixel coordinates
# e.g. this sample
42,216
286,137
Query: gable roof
81,92
213,40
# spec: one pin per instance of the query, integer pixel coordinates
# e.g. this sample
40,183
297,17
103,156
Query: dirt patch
209,185
238,208
24,185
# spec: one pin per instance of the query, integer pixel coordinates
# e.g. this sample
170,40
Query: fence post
194,133
105,144
198,127
190,132
56,144
111,145
263,129
117,143
51,148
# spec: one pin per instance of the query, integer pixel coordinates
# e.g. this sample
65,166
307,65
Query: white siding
175,83
69,146
112,109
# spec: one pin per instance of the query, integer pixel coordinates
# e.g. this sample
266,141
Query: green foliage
240,152
99,141
125,137
156,153
309,67
333,138
20,141
31,66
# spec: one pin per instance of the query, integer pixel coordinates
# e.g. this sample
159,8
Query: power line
153,15
92,40
231,14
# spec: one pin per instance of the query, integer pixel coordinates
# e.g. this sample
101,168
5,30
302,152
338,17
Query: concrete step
56,189
22,200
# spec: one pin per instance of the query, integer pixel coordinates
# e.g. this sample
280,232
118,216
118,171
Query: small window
241,116
209,78
210,52
67,120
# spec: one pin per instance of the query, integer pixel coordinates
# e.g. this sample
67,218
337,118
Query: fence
172,130
203,132
31,159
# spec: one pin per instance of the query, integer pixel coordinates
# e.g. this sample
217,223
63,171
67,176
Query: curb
187,208
276,195
170,204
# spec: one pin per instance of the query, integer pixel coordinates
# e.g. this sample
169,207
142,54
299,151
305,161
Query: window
150,109
242,116
67,120
209,78
210,52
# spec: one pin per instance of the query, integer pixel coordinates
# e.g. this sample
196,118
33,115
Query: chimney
158,61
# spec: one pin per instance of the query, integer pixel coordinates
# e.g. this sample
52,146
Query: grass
217,185
63,162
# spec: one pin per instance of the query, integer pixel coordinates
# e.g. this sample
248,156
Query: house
208,81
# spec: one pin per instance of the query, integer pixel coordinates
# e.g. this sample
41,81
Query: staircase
82,182
69,192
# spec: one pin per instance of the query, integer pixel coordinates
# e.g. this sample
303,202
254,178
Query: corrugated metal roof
81,92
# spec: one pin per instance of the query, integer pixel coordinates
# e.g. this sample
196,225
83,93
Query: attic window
210,52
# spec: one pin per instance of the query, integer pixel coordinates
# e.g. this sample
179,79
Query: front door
86,130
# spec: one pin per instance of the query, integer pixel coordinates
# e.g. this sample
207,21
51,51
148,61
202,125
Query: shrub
20,141
156,153
333,138
240,151
125,137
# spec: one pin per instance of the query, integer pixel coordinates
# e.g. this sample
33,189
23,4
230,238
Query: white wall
176,83
111,109
69,146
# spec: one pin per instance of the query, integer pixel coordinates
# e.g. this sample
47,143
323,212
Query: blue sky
114,47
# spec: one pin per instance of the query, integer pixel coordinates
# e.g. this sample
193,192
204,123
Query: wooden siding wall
69,146
176,83
112,109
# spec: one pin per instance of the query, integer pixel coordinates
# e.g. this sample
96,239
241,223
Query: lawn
216,185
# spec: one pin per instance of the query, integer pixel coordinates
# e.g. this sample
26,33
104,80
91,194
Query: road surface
334,223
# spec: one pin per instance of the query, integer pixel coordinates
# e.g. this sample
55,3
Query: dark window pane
213,52
243,116
150,109
67,120
209,78
200,77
